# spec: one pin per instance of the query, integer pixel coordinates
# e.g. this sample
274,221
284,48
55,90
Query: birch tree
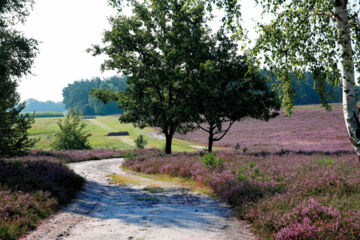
317,36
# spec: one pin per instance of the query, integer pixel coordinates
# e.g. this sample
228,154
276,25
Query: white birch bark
348,75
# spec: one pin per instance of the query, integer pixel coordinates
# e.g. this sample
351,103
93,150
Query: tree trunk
168,143
211,140
348,75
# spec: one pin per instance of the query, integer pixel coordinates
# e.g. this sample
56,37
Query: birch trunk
348,75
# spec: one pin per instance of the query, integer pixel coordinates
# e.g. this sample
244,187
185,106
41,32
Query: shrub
211,161
31,190
325,161
140,142
129,157
71,134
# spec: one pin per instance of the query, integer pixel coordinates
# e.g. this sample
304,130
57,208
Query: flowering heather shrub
32,189
285,195
70,156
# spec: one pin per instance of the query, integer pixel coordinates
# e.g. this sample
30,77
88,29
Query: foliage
211,161
326,161
129,157
71,133
140,142
14,136
283,195
33,105
305,89
321,37
303,36
31,190
158,47
16,57
76,95
228,89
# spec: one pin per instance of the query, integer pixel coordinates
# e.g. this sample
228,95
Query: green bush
211,161
71,134
325,161
140,142
129,157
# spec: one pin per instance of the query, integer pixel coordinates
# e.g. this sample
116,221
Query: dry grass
156,183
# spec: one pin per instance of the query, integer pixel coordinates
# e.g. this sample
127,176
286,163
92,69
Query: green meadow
99,127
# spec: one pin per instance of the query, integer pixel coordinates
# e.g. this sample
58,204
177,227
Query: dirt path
107,211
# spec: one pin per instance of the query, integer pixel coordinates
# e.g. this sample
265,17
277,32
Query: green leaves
158,48
301,38
17,54
71,133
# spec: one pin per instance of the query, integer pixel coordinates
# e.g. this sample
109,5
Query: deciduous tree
227,89
317,36
157,47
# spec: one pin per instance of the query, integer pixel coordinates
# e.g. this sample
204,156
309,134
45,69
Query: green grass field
99,127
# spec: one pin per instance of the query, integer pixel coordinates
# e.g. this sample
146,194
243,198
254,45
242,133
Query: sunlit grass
160,181
99,127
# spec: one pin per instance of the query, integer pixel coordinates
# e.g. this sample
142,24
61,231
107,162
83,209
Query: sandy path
106,211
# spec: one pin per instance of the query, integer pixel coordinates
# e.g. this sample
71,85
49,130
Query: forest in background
33,105
76,95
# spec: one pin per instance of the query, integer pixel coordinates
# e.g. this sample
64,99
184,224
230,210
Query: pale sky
65,29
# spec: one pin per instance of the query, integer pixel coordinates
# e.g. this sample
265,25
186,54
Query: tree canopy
227,89
321,37
158,48
16,57
317,36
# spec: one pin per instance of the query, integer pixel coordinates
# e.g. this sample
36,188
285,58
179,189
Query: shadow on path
173,207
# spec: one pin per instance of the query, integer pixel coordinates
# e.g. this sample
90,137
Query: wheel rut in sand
107,211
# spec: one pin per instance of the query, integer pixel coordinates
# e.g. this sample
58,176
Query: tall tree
227,89
158,48
16,57
317,36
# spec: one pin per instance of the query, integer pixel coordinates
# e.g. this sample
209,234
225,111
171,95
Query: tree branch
225,132
204,129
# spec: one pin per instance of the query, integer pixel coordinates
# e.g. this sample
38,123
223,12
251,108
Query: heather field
291,178
308,129
284,195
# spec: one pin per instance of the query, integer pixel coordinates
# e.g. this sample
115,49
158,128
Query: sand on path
103,210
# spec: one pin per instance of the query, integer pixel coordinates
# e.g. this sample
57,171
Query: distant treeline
76,95
33,105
